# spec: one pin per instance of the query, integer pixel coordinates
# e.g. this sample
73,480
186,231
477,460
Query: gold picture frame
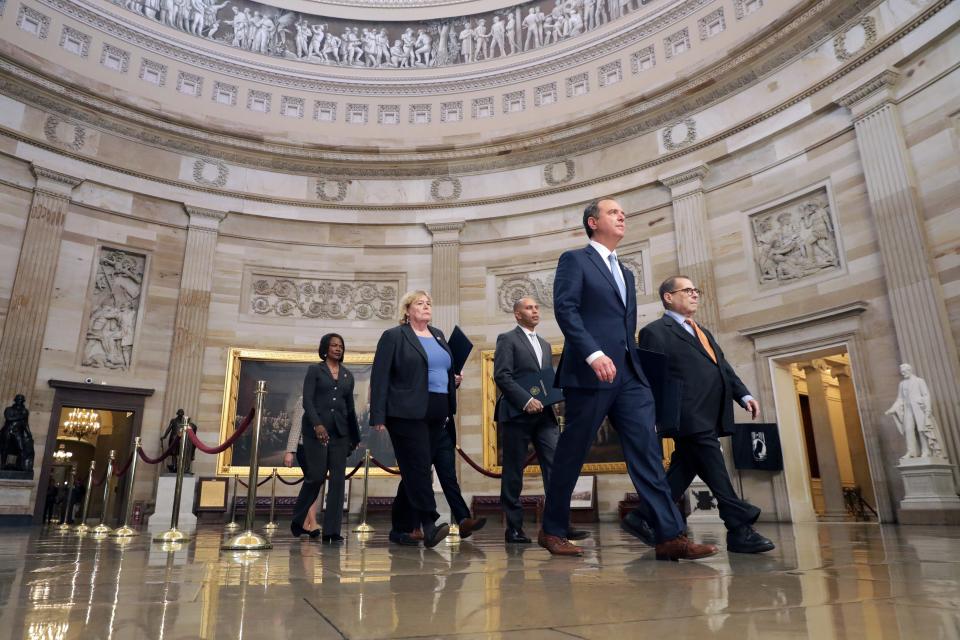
490,444
284,372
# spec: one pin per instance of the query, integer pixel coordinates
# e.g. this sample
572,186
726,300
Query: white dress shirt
534,342
605,256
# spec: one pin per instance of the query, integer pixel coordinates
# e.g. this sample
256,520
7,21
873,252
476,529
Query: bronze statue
169,437
15,437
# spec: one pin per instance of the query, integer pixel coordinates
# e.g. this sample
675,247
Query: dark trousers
445,462
415,444
318,458
629,405
517,436
700,455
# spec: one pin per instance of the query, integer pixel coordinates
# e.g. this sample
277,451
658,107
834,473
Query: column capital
445,232
871,94
53,182
687,181
201,218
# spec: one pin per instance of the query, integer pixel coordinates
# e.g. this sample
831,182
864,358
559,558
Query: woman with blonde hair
413,393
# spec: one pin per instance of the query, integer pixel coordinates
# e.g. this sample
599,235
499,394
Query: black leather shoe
314,533
435,536
745,539
577,534
516,536
636,526
333,538
297,530
399,537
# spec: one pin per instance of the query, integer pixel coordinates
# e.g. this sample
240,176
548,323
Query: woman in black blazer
413,393
330,433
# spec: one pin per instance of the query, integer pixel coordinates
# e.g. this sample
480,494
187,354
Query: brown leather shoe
558,546
469,525
682,548
416,534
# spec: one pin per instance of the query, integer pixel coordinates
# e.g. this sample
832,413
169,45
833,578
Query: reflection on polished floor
829,581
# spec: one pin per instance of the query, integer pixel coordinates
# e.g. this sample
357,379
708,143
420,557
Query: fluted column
33,284
193,308
826,446
691,234
916,297
445,274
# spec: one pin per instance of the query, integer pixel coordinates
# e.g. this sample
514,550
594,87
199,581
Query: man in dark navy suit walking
595,304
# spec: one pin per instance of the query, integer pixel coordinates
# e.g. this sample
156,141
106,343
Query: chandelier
61,455
82,423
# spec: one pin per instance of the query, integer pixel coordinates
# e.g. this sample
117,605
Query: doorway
87,421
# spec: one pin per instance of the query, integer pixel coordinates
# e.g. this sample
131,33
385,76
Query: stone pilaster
826,446
193,308
691,234
33,284
445,274
855,440
916,298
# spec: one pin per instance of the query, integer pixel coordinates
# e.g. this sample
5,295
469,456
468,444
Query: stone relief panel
446,189
75,41
560,172
795,240
536,281
332,190
115,58
680,134
67,134
278,32
330,297
115,302
210,172
855,40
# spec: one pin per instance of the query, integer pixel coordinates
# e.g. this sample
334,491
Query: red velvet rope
290,484
166,454
384,467
300,479
99,482
226,443
259,484
355,469
119,471
491,474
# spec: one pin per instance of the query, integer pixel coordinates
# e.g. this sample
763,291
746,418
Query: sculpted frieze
115,305
329,298
279,33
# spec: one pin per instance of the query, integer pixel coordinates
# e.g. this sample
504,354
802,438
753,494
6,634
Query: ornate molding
329,298
697,173
53,182
446,189
200,174
52,124
689,134
337,196
883,81
550,172
202,218
869,26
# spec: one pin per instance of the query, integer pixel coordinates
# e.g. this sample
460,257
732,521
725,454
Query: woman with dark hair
413,393
330,433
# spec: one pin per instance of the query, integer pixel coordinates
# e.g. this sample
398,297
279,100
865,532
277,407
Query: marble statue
16,441
169,437
466,42
112,322
481,37
511,29
913,414
531,25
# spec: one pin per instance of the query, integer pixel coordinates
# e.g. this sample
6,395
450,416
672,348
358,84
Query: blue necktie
618,278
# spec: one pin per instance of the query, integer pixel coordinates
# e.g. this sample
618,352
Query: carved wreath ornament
328,299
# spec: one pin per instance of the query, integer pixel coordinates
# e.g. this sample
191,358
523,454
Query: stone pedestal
930,496
160,520
16,500
703,504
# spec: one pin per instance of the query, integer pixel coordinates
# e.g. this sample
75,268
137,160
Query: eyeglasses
689,291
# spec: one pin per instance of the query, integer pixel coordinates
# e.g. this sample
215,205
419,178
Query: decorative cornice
696,174
206,219
884,81
441,227
54,183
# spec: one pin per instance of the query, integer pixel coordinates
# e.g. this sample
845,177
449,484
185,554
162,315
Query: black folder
540,386
461,347
667,391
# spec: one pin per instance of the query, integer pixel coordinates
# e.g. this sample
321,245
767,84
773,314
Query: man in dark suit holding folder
706,385
595,303
522,417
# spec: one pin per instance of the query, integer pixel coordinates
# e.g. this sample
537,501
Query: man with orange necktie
709,387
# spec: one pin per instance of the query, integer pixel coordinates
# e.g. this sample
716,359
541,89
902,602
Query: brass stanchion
248,539
101,530
232,526
126,531
63,527
82,528
453,538
173,534
272,525
363,527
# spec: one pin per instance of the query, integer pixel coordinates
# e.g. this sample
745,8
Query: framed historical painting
283,372
606,454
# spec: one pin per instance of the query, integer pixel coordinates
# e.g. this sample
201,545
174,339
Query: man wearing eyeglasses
709,386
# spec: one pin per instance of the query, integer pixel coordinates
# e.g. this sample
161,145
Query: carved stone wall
795,240
329,298
115,298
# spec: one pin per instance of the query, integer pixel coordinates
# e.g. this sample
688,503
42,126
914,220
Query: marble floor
844,581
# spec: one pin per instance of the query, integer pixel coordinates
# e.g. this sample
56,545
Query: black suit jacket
592,317
329,402
515,358
398,379
708,388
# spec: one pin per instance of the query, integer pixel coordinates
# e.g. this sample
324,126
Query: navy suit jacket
592,317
